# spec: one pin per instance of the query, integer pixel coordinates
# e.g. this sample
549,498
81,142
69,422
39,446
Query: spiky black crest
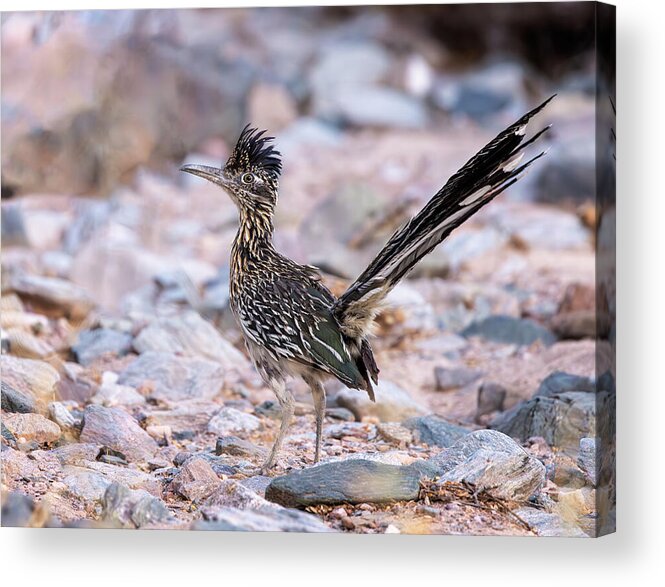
253,152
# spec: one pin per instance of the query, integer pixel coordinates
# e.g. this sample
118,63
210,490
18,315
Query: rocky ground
128,399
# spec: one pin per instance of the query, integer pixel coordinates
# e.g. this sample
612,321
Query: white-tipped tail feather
485,176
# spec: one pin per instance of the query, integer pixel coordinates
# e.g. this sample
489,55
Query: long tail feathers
496,167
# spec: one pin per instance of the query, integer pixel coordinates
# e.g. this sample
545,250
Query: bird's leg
319,395
286,402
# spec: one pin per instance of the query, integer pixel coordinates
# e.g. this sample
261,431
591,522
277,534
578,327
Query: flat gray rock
562,419
493,462
435,431
509,330
351,481
92,344
559,382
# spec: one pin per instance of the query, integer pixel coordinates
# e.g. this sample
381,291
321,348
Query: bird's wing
292,319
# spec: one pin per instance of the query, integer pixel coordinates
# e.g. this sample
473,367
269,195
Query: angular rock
189,335
229,420
232,445
493,462
134,508
36,379
393,404
14,400
435,431
32,428
69,420
280,520
351,481
116,429
54,297
92,344
562,418
195,481
509,330
447,379
174,378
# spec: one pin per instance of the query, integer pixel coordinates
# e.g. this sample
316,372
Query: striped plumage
292,324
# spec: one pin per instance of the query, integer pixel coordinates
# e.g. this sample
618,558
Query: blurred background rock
91,97
373,108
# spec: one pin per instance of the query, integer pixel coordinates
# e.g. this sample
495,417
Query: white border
633,556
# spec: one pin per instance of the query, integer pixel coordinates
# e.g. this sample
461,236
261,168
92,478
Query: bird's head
251,174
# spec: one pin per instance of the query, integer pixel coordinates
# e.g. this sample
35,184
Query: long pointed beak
212,174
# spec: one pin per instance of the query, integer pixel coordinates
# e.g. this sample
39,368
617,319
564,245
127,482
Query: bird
292,324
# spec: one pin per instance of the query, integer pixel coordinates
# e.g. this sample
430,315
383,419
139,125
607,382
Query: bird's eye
247,178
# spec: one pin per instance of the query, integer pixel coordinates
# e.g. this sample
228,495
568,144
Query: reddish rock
196,480
116,429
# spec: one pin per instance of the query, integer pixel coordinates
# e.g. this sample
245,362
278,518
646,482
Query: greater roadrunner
292,324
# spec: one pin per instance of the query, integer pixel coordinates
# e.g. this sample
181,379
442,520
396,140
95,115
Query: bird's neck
255,232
